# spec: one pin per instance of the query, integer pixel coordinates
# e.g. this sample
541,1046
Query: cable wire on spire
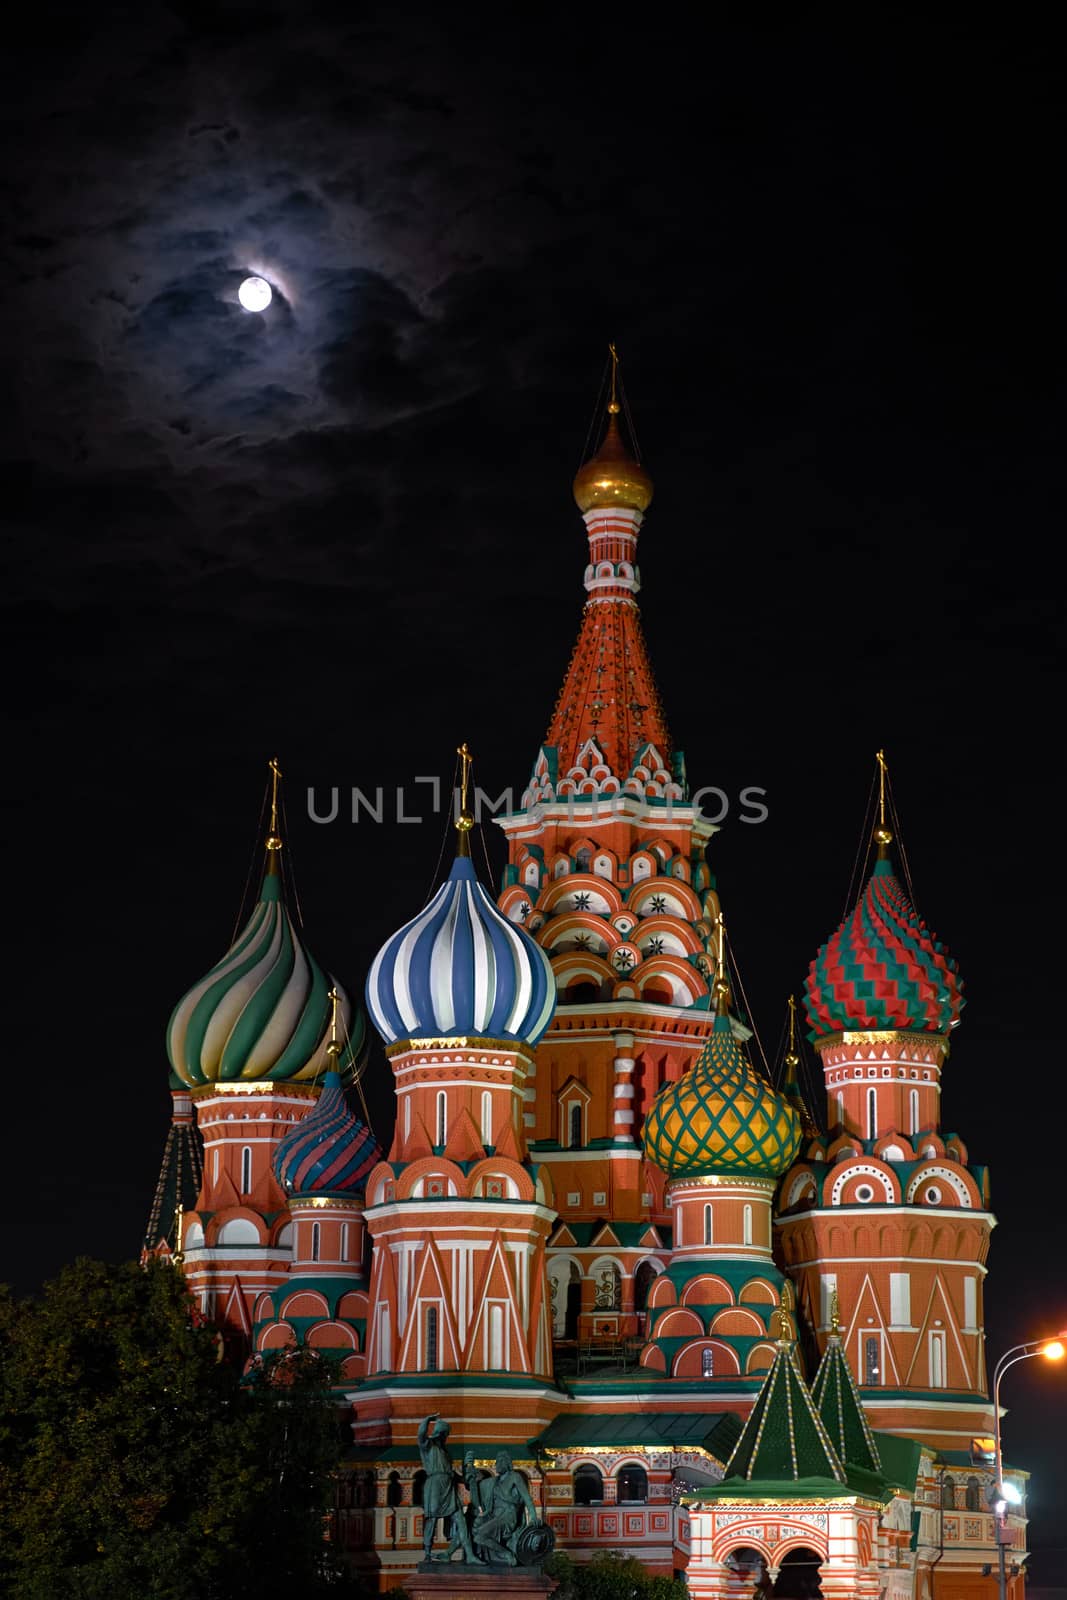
733,968
253,858
289,871
446,828
862,850
598,409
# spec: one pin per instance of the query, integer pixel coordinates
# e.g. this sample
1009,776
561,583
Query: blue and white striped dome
461,968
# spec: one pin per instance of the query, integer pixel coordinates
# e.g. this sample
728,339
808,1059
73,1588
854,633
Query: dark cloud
343,529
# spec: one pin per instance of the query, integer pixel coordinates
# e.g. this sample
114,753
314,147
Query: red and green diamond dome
883,969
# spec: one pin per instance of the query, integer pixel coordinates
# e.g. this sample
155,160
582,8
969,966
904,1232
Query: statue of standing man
440,1495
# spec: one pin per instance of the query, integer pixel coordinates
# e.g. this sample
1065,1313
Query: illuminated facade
711,1333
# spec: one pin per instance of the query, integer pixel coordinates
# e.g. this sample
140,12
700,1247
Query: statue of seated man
507,1507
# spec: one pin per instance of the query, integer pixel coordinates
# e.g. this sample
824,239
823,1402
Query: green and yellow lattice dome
721,1118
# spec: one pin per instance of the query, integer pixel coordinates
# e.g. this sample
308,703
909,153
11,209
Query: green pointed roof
784,1438
840,1407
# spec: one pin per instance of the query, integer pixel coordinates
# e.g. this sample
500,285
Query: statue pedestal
455,1580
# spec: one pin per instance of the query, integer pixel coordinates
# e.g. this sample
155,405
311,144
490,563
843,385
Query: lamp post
1007,1494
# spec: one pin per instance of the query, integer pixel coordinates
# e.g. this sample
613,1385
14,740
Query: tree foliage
134,1461
610,1575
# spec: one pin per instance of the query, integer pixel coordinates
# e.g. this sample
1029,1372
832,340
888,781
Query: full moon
255,294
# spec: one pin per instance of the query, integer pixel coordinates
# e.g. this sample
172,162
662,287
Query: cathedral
716,1325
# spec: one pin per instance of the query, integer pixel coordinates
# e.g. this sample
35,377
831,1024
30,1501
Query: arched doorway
798,1575
644,1278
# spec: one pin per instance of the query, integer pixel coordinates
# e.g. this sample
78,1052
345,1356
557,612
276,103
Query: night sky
342,531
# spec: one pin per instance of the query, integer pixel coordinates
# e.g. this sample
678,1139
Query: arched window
246,1169
582,992
632,1483
937,1360
574,1124
581,860
872,1113
407,1116
872,1360
316,1240
708,1226
747,1224
913,1100
644,1278
707,1362
588,1485
216,1171
430,1364
442,1117
840,1108
973,1495
496,1338
487,1117
344,1241
948,1492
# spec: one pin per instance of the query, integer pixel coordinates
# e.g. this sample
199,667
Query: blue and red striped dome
330,1151
461,968
883,969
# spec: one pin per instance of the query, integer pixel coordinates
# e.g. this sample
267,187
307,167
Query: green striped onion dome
263,1011
721,1118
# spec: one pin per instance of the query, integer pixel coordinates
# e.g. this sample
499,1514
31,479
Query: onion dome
721,1118
883,969
330,1151
460,968
612,477
263,1011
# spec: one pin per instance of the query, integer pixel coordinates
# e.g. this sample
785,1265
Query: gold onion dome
721,1117
612,477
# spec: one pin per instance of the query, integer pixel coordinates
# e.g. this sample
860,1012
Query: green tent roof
784,1437
841,1410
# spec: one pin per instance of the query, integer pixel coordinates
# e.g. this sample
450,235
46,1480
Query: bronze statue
501,1526
440,1495
506,1509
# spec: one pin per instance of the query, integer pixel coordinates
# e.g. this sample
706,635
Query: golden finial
335,1045
613,403
722,981
465,821
612,477
882,836
785,1320
792,1059
273,837
835,1314
178,1258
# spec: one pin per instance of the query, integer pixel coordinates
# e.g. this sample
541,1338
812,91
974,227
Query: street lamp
1006,1494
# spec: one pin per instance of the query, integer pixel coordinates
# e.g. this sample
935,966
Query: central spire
608,723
